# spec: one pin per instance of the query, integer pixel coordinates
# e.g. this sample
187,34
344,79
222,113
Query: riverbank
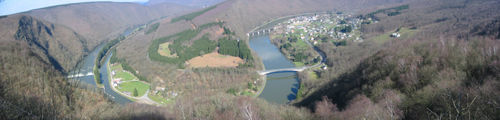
110,81
286,86
142,99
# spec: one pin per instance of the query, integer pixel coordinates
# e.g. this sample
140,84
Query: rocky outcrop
58,46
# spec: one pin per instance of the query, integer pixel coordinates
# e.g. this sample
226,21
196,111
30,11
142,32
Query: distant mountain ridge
192,3
62,35
98,21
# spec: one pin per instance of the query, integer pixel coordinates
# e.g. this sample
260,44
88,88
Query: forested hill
449,68
39,47
54,44
445,65
239,16
99,21
243,15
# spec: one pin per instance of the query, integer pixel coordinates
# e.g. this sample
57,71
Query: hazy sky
8,7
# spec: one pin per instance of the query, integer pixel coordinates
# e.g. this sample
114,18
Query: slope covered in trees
228,46
442,72
100,21
55,44
448,70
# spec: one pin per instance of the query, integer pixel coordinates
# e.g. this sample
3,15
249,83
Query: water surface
280,87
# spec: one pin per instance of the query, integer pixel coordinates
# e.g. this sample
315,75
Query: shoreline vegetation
100,57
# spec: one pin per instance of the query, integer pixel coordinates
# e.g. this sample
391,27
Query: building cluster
335,26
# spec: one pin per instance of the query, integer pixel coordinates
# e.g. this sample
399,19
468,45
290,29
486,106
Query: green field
130,86
299,64
247,93
126,76
120,73
159,99
381,39
405,34
165,51
300,45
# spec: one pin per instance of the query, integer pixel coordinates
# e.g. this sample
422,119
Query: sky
8,7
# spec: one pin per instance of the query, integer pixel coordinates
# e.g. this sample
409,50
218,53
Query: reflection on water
280,87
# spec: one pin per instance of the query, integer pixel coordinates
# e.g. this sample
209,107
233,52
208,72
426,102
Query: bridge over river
260,32
265,72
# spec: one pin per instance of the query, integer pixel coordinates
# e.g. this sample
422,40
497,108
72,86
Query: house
158,89
117,81
396,35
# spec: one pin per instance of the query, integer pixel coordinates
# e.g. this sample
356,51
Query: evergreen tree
135,92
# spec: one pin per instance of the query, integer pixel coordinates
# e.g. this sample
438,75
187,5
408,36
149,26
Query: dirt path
146,99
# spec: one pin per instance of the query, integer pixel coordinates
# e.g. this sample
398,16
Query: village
338,28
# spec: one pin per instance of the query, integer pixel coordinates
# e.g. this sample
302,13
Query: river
86,66
280,87
107,86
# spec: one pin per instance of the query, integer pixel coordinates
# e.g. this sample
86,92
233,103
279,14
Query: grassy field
165,51
300,45
299,64
247,93
130,86
120,73
159,99
126,76
405,33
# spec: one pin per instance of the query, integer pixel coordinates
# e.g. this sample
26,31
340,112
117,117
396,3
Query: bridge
259,32
265,72
80,75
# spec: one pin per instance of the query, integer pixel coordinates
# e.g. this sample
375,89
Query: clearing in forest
165,51
129,87
405,34
119,73
214,59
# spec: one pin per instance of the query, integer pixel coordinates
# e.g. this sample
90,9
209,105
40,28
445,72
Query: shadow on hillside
143,116
341,89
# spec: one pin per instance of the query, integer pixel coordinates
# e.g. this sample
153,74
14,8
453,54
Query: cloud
8,7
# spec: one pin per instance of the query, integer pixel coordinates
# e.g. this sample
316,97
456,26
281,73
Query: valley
252,59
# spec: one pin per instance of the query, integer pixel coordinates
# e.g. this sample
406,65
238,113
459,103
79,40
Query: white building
396,35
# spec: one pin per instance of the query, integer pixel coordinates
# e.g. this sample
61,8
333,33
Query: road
106,80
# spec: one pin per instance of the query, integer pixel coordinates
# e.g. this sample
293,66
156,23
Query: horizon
9,7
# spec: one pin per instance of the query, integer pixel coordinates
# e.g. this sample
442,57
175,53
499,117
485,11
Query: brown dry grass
214,59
